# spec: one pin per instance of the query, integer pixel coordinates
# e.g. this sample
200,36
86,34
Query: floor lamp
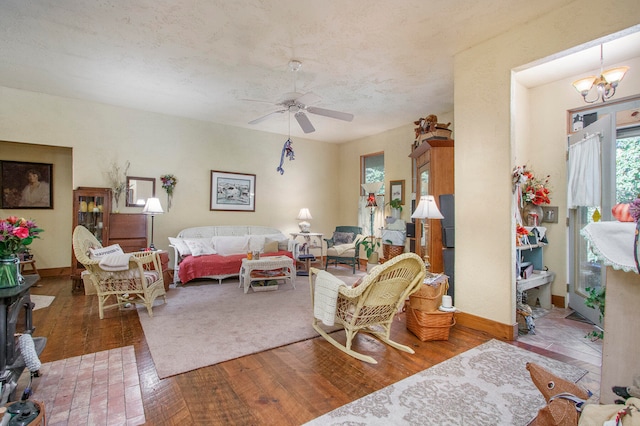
427,209
372,189
152,207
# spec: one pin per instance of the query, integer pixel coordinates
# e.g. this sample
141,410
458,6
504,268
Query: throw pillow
200,247
180,245
99,253
256,242
227,245
271,247
342,238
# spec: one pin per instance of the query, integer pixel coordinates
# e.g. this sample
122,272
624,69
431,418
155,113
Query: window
372,167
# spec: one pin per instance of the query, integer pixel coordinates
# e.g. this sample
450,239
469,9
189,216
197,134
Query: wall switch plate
549,214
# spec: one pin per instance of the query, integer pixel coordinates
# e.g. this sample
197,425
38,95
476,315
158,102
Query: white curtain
364,216
584,173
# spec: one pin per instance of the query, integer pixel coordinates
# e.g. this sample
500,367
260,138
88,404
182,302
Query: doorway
619,127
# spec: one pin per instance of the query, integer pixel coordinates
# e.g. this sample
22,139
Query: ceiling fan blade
330,113
264,117
308,99
304,122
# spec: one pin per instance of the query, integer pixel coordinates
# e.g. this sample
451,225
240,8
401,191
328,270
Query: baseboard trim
54,272
493,328
558,301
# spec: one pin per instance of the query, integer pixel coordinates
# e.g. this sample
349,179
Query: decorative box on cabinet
128,230
91,208
434,165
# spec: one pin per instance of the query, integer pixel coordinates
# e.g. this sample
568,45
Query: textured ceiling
387,62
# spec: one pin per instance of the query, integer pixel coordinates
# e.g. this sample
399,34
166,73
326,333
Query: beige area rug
41,301
486,385
204,323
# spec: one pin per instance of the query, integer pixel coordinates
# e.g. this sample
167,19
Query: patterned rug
486,385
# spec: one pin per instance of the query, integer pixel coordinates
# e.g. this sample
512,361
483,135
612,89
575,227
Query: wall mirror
139,189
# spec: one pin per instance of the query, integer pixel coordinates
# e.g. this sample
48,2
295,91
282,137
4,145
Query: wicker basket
429,297
390,251
429,325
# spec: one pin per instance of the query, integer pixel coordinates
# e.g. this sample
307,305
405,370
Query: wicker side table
271,263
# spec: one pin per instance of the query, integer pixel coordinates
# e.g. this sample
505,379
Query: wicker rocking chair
370,306
141,283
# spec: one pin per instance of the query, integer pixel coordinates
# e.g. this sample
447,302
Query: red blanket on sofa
193,267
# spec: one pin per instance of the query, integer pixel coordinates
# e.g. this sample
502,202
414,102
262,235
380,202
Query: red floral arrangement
15,234
536,191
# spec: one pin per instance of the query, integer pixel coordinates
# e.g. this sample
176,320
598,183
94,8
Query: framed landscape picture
397,190
233,191
26,185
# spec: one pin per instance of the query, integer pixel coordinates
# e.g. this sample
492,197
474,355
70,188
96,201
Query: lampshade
304,214
371,200
427,209
605,84
152,207
372,187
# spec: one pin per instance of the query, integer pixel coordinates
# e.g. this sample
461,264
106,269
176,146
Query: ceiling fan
297,103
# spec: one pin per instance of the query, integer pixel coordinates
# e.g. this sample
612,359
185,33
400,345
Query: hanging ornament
287,151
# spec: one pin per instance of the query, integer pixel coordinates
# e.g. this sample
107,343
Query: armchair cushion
342,238
348,250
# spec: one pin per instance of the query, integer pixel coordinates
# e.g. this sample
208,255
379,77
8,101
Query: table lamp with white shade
427,209
152,207
304,215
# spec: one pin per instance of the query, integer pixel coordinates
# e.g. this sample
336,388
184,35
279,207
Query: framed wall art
26,185
397,190
233,191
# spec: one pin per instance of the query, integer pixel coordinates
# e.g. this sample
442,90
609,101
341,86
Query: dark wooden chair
338,253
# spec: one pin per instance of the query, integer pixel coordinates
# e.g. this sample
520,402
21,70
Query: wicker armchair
349,257
370,306
141,283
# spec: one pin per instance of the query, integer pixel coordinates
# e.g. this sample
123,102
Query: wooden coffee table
282,264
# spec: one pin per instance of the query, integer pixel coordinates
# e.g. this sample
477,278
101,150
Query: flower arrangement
15,234
168,184
118,180
521,234
535,191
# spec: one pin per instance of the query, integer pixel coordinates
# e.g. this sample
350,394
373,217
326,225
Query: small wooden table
282,264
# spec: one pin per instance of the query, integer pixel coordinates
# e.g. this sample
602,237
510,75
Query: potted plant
370,246
396,208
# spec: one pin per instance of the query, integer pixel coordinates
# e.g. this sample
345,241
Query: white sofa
217,251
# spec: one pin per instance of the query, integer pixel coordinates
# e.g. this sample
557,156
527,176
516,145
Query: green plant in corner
396,203
370,245
595,300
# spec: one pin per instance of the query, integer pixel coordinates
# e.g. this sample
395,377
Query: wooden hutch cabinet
92,209
435,176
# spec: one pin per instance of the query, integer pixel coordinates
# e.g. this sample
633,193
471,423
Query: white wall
155,145
485,147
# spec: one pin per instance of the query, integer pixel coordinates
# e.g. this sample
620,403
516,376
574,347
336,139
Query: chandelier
605,84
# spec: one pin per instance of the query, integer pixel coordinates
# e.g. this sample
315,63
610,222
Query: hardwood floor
289,385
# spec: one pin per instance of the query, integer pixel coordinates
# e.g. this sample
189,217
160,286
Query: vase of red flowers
535,193
15,235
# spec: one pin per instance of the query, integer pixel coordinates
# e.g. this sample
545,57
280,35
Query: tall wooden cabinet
92,209
435,176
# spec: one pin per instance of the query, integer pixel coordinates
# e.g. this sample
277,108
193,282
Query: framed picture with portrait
233,191
397,190
26,185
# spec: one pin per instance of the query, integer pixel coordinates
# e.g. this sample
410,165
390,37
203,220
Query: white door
584,270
